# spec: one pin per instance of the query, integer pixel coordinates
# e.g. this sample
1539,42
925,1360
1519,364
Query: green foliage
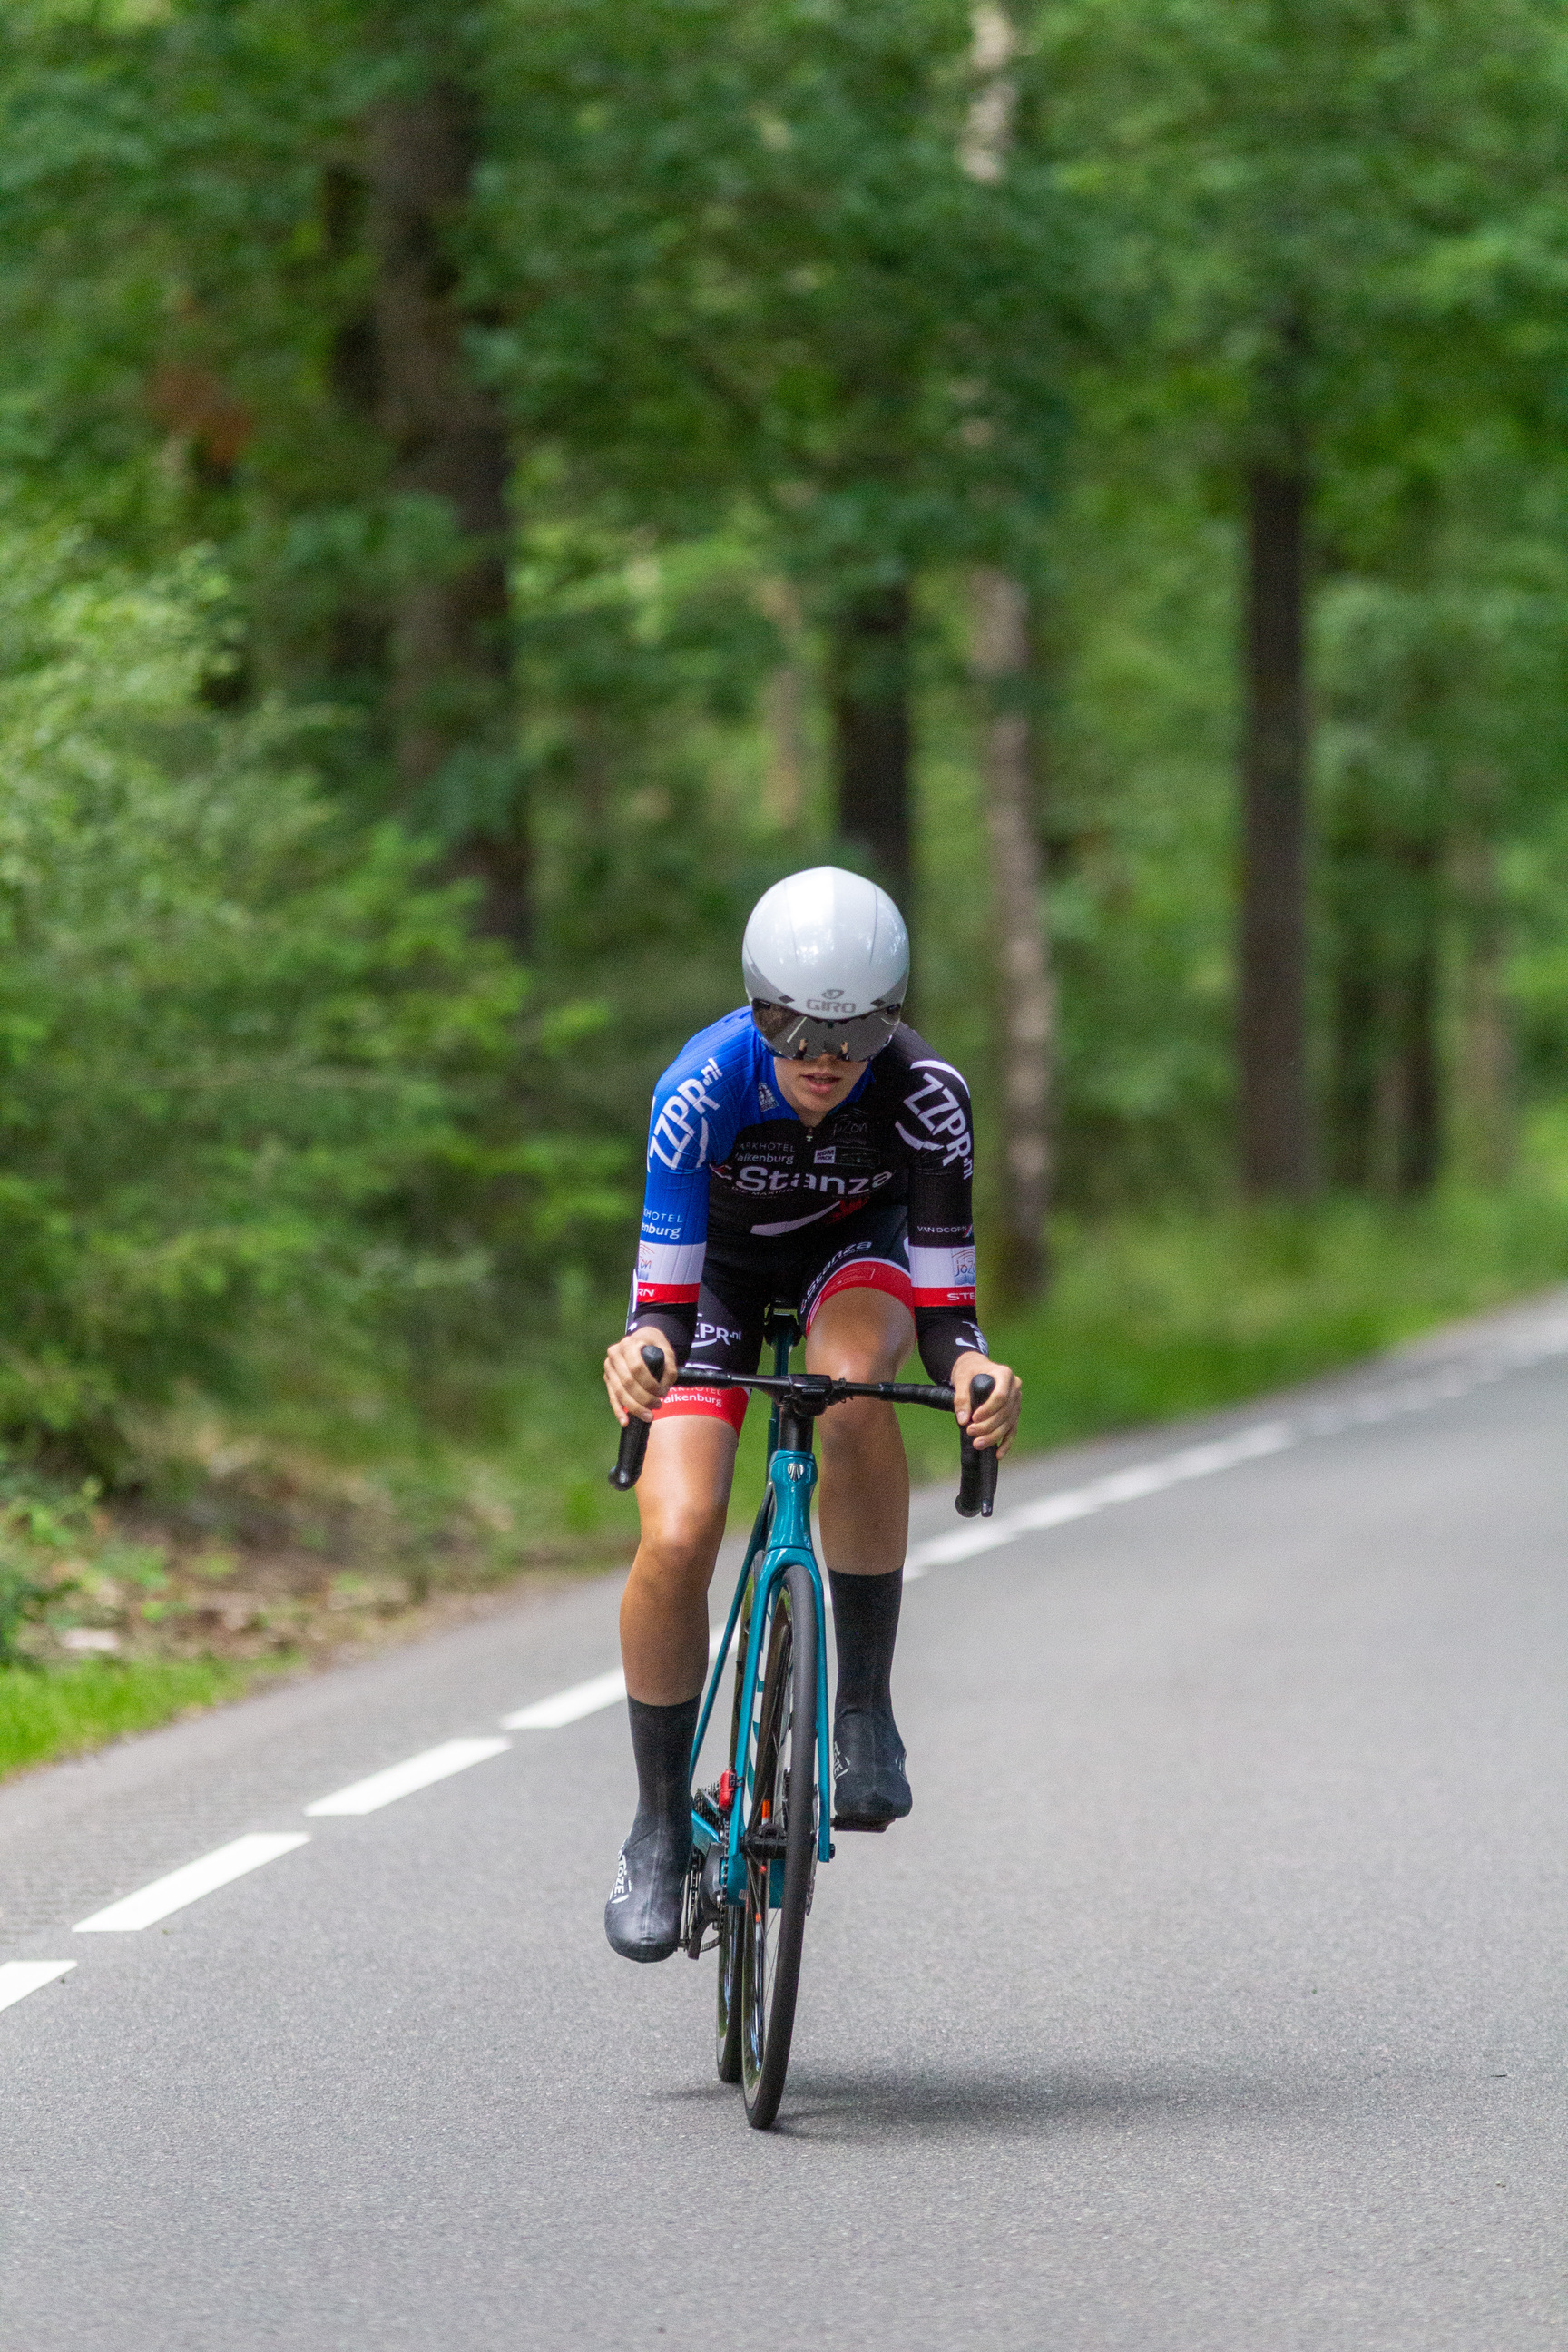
254,1064
70,1708
744,253
275,1127
23,1601
1156,1315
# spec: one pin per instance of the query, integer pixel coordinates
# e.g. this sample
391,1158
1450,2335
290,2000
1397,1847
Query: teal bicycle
758,1832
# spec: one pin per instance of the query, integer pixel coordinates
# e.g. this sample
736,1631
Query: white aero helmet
827,961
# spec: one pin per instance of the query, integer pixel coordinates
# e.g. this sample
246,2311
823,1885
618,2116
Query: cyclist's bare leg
682,1497
862,1335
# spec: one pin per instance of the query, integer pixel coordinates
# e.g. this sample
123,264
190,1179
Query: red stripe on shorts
866,1274
718,1404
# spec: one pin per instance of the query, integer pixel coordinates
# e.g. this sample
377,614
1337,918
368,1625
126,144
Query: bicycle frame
781,1535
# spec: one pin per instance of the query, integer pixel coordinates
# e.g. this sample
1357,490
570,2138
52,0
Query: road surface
1212,2000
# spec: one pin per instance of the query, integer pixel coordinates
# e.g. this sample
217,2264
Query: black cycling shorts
741,1279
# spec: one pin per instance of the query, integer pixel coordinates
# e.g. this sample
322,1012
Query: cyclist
809,1145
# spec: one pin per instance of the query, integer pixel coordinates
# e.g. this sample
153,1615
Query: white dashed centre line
570,1705
154,1903
397,1781
20,1977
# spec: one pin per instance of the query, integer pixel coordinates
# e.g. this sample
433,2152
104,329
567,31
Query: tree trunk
1387,1100
1353,1093
1418,1139
1027,1023
1276,1133
1000,660
1484,1105
452,711
784,710
784,717
870,694
1355,1074
1355,879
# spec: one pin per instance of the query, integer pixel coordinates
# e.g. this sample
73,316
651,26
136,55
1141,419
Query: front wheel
728,2037
780,1846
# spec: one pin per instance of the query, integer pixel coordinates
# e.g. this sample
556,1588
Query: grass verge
1152,1319
60,1711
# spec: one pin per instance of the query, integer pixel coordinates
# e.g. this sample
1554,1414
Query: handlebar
812,1392
976,1470
633,1437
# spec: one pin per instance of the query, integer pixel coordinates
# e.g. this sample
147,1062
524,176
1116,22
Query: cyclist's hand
996,1421
633,1388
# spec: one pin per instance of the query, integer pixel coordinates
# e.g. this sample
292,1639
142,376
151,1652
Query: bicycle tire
727,2031
783,1779
727,2036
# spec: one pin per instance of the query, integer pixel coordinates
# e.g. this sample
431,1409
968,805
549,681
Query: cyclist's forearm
943,1335
671,1327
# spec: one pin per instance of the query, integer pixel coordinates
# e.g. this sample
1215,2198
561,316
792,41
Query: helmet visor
803,1037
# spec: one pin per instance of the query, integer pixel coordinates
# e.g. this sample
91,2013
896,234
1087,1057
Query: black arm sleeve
678,1325
935,1125
944,1335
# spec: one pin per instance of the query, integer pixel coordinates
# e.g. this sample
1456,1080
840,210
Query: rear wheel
780,1846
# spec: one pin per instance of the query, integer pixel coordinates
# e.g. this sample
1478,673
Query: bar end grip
634,1436
977,1472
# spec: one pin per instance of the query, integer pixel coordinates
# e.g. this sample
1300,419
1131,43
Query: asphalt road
1212,1997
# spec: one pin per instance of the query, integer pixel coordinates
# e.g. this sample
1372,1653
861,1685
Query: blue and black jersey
728,1158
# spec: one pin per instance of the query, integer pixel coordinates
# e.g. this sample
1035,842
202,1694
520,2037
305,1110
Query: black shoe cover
869,1785
642,1917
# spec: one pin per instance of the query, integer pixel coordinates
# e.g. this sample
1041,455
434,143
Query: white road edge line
1118,1487
1251,1444
20,1977
385,1788
150,1904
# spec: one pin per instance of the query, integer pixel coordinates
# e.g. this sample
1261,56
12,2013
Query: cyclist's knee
850,1355
860,1335
842,1358
856,1426
680,1540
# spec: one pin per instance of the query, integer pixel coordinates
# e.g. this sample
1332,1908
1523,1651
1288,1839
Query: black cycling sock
661,1743
865,1627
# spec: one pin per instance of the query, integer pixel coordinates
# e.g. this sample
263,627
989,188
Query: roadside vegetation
482,495
247,1552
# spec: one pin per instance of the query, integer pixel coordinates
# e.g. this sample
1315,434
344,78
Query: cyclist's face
814,1089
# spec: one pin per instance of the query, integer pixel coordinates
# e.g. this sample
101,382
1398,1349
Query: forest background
485,489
